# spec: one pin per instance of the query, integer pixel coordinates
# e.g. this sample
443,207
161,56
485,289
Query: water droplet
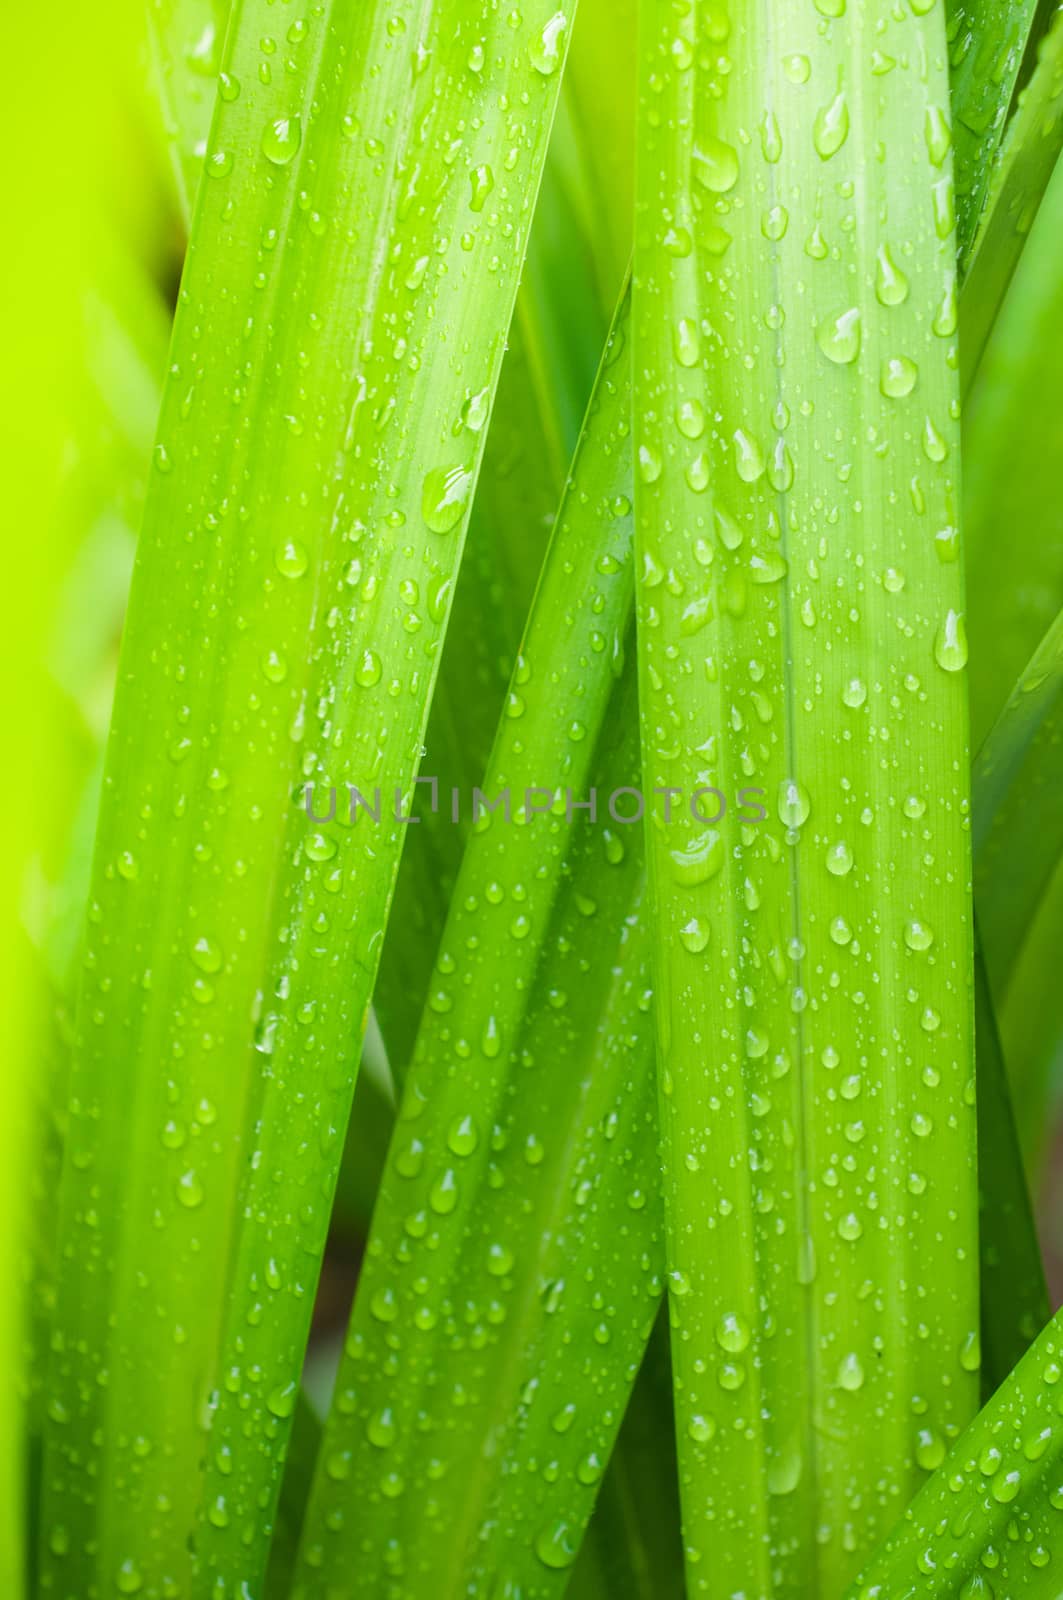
687,342
715,165
947,318
694,935
898,377
797,68
280,1402
1006,1486
445,497
929,1449
368,671
463,1137
699,860
944,207
793,803
281,139
938,134
128,1579
291,559
839,337
701,1429
950,643
556,1545
971,1353
443,1195
749,457
482,181
850,1373
547,48
917,935
831,127
891,285
380,1430
690,419
500,1260
774,223
189,1191
384,1305
206,955
732,1333
839,859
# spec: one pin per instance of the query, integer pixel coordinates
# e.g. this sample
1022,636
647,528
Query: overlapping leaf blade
1012,440
1014,1296
487,1306
319,443
987,1522
800,630
987,41
1020,177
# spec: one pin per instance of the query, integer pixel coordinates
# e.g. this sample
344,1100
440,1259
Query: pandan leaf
351,274
1011,440
633,1546
987,41
1020,176
987,1523
801,636
488,1307
1014,1296
1018,821
186,38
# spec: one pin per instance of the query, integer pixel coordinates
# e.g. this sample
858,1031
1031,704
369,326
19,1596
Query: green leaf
186,38
1014,1295
351,275
987,1523
490,1306
1032,1035
598,102
988,39
1012,441
1018,821
801,636
633,1547
1021,174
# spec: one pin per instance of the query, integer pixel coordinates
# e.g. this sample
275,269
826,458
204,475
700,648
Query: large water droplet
831,127
547,48
715,165
281,139
839,337
950,643
445,497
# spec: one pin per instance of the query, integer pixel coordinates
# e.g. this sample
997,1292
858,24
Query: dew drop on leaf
281,139
445,497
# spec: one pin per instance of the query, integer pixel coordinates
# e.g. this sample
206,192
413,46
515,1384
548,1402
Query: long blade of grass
1032,1034
1020,177
1018,821
633,1547
186,39
350,278
516,497
800,631
987,41
987,1523
487,1307
1011,442
1014,1295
